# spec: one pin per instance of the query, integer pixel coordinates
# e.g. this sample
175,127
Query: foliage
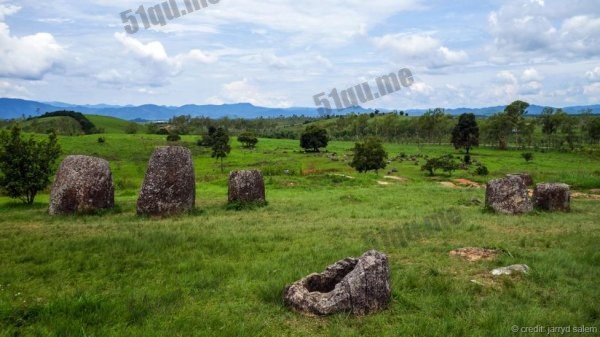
313,138
220,145
173,137
369,155
207,138
101,140
445,163
26,164
86,125
248,139
466,133
528,156
482,170
434,124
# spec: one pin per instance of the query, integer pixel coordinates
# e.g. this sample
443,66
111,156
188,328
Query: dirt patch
580,195
395,178
448,184
383,183
466,182
342,175
595,191
473,254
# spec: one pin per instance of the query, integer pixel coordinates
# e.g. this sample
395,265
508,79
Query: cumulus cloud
27,57
420,46
154,55
548,29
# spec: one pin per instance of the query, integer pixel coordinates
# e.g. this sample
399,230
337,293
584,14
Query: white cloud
154,55
594,74
27,57
531,74
8,89
244,91
592,90
421,47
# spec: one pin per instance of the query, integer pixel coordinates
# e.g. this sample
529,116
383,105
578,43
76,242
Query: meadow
221,272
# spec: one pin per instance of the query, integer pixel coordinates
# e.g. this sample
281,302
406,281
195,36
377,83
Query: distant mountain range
15,108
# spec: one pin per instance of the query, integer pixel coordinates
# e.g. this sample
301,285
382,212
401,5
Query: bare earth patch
466,182
473,254
383,183
448,184
395,178
580,195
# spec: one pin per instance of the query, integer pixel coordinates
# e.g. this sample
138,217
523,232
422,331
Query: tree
434,123
220,145
369,155
466,132
446,163
207,139
499,129
173,137
313,138
248,139
131,128
594,129
26,164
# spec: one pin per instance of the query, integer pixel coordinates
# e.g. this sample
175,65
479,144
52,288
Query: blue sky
279,53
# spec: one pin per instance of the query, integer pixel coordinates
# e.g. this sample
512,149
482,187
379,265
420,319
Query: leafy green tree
207,139
369,155
594,129
248,139
313,138
434,124
445,163
499,128
220,145
26,164
466,132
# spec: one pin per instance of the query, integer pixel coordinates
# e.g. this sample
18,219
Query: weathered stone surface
515,268
169,185
357,285
246,186
82,184
508,196
552,197
527,179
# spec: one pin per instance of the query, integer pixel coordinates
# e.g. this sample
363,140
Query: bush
369,155
528,156
248,139
131,128
445,163
101,140
482,170
173,137
467,159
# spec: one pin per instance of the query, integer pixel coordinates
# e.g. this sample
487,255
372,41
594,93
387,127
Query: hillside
108,124
62,125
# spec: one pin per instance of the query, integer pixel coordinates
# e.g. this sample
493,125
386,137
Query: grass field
218,272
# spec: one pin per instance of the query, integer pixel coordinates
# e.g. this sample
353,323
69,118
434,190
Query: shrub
131,128
528,156
313,138
248,139
445,163
482,170
173,137
101,140
369,155
467,159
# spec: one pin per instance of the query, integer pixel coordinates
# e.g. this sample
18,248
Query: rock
357,285
527,179
516,268
508,196
82,185
552,197
246,186
169,185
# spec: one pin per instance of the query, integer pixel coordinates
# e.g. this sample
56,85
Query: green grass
108,124
221,272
